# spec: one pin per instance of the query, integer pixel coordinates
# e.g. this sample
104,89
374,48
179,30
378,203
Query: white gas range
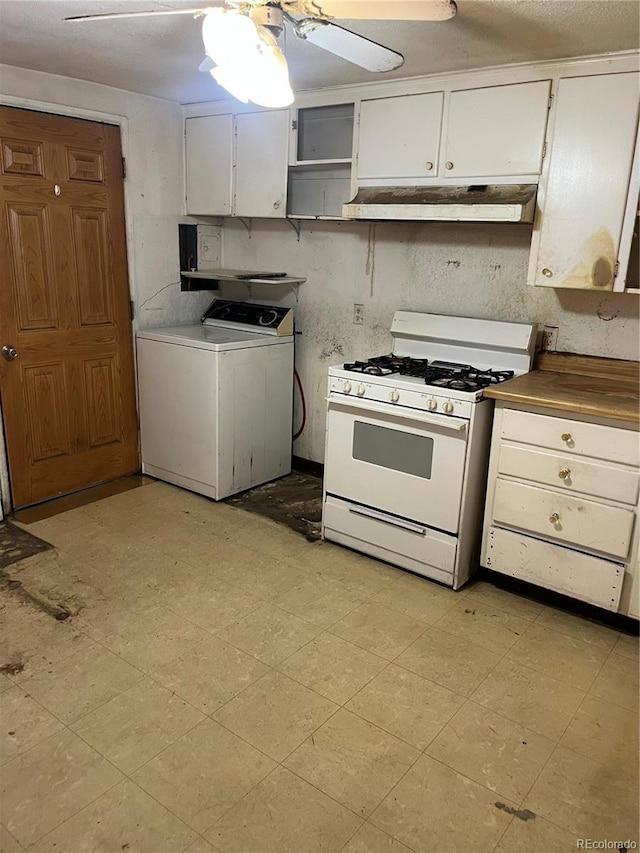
408,442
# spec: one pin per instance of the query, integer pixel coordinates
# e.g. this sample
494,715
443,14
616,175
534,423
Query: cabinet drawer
583,439
589,525
569,473
553,567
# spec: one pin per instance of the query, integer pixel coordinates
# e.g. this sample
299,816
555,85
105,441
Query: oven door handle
385,519
444,421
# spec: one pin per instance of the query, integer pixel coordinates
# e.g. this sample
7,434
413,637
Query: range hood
495,203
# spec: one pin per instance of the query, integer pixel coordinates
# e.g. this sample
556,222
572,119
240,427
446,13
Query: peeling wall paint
463,269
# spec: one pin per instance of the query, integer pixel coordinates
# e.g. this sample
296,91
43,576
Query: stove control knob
432,405
394,396
448,408
346,387
360,390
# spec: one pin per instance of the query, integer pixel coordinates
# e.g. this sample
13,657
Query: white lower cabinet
562,505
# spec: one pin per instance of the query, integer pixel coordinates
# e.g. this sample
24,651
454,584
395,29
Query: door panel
85,165
90,243
68,400
20,157
104,420
48,422
34,292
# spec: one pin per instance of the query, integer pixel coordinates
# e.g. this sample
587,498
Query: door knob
9,352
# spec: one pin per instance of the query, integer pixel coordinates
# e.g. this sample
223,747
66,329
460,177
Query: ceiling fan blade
350,46
150,14
391,10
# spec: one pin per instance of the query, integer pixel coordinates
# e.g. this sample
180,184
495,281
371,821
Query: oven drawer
554,567
575,437
404,543
568,473
576,521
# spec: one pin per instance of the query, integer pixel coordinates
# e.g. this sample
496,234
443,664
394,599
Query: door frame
105,118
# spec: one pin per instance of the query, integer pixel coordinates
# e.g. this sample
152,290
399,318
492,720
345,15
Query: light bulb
270,86
249,63
227,35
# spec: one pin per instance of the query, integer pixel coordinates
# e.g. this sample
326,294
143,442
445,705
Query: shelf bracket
248,224
296,227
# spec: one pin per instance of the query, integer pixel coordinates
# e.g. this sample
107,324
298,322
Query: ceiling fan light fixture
248,62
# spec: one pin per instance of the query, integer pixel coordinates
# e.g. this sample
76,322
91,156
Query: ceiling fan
242,53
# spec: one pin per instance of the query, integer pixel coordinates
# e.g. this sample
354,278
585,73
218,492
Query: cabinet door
400,137
582,207
262,141
208,165
496,131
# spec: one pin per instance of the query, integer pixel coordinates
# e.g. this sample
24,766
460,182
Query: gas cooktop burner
443,374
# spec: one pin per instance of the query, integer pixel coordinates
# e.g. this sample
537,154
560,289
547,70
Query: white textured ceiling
160,56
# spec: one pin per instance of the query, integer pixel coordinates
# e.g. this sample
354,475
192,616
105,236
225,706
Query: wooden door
400,137
68,398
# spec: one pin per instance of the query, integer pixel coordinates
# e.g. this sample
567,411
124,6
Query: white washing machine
216,400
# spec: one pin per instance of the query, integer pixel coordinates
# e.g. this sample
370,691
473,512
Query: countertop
604,387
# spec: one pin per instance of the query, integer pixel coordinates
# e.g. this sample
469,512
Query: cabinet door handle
448,165
566,436
546,272
276,205
428,165
554,518
564,474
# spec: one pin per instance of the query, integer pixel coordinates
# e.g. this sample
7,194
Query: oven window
392,448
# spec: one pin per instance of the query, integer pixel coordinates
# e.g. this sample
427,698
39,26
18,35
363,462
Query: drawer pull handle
566,436
564,474
555,518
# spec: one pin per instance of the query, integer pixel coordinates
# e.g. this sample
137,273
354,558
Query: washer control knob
346,387
360,390
394,396
432,405
448,408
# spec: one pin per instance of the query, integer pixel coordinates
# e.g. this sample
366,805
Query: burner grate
440,374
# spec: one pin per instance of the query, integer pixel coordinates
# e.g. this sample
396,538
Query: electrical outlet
358,314
549,338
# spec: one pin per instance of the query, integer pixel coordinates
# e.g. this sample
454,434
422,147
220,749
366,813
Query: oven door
402,461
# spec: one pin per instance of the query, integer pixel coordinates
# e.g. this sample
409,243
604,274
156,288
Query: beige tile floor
224,685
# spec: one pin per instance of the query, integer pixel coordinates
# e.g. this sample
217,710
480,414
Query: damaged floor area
294,500
220,684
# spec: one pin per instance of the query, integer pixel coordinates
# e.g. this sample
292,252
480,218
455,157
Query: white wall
151,132
461,269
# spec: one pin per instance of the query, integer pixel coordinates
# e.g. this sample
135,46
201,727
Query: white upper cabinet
582,201
400,137
261,163
497,131
209,142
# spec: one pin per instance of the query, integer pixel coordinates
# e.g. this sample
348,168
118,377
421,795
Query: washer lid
212,337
